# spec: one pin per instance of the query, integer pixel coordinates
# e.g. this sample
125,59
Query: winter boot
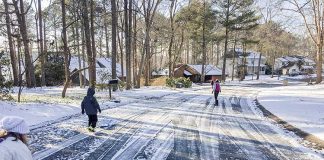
216,102
91,129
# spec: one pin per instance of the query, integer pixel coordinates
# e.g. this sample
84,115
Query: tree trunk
188,51
226,43
79,54
13,58
217,53
204,47
93,45
319,62
135,66
83,55
87,34
29,71
45,44
224,57
121,47
107,38
234,54
19,68
127,45
171,12
66,50
259,66
41,43
114,38
148,54
128,38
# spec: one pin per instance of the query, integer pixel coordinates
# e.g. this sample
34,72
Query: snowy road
180,125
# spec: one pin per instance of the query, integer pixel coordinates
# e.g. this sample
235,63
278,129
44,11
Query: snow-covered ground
298,103
163,123
41,105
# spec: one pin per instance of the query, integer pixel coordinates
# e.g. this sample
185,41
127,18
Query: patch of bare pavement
179,126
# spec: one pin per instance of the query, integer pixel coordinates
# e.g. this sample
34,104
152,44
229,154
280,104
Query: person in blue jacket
91,107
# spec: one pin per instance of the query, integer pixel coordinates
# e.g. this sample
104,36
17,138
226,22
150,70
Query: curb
315,142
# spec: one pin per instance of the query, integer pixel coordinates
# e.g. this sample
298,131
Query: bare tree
149,10
312,12
20,13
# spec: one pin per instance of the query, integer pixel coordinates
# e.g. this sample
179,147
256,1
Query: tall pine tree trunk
66,50
87,34
41,43
13,57
30,72
135,65
93,44
114,38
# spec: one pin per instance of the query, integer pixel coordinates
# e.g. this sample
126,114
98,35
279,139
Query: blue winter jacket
90,104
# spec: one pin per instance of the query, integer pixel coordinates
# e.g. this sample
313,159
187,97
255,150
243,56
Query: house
293,65
103,70
194,72
249,59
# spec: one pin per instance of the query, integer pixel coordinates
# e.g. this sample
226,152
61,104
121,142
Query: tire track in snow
187,142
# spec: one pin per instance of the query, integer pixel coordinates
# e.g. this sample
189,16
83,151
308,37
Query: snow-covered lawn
299,105
41,105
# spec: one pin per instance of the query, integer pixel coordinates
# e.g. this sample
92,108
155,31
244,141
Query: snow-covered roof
307,67
187,73
107,62
209,69
255,65
103,67
282,59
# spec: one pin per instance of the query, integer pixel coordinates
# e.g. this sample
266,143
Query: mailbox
113,81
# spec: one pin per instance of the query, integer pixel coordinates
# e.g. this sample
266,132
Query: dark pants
93,119
216,95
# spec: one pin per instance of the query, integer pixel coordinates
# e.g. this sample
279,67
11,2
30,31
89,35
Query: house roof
288,65
103,67
282,59
187,73
251,65
209,69
307,67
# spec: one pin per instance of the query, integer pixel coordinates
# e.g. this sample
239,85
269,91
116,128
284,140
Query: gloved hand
82,112
99,110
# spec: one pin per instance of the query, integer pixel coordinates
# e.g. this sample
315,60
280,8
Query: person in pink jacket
216,89
13,139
